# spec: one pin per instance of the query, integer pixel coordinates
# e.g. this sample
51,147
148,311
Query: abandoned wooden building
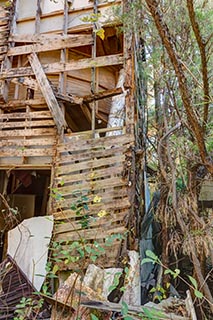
71,139
67,120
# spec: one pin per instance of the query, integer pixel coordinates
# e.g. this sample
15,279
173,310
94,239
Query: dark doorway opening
24,194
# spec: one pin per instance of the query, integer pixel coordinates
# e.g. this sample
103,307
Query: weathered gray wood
97,153
47,92
25,152
102,95
77,39
111,195
26,81
27,133
72,99
24,115
27,124
93,210
99,233
88,144
56,67
17,104
99,222
20,143
87,176
133,310
38,17
50,43
91,164
98,186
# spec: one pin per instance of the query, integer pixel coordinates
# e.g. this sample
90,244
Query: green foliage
95,18
26,307
151,257
174,274
93,317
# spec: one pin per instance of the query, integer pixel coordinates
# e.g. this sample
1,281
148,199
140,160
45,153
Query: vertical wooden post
16,92
38,17
64,52
129,72
7,64
93,71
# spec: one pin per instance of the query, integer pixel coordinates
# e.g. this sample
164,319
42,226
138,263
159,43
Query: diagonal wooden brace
47,92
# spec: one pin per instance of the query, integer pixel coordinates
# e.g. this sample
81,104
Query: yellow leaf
97,199
55,269
167,285
101,33
102,213
92,175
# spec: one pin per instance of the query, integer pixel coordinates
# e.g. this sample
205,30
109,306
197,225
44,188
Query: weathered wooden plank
26,166
91,174
50,43
26,123
93,234
43,38
51,68
102,95
25,143
27,133
110,207
25,152
26,115
24,103
47,92
110,195
106,221
80,156
26,81
93,185
77,143
72,99
135,312
90,164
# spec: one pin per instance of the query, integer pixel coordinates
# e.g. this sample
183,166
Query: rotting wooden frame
22,75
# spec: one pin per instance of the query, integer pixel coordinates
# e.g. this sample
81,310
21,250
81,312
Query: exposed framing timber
70,98
20,104
38,17
102,95
49,43
47,92
103,61
26,81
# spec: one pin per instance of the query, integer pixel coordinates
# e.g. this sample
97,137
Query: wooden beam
15,104
26,81
102,95
103,61
50,43
47,92
72,99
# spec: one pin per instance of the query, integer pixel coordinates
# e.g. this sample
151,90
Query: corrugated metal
15,285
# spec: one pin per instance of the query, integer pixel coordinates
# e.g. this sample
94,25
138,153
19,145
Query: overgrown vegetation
174,66
177,114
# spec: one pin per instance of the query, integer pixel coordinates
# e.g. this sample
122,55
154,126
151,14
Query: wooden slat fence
91,175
